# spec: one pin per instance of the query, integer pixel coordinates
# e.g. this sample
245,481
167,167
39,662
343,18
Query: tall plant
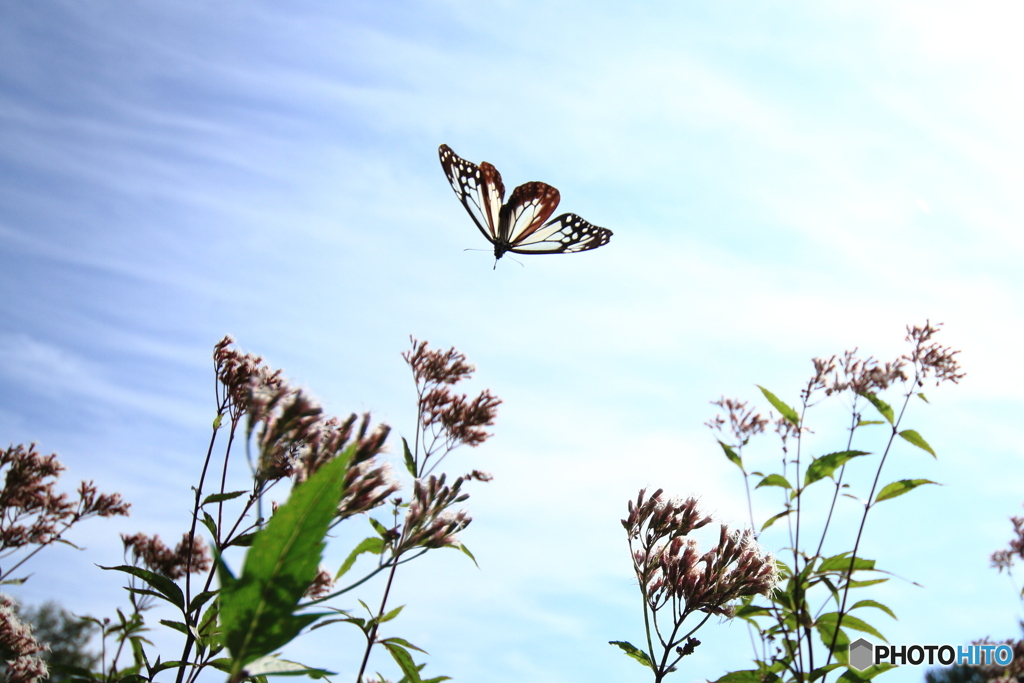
801,631
240,625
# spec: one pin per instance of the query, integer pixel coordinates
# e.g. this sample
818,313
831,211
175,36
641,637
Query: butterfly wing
566,234
530,205
479,188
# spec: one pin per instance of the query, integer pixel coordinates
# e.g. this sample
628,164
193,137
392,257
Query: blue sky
783,180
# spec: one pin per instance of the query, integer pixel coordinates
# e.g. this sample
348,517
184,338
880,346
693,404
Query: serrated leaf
244,541
774,519
221,497
419,669
822,670
200,600
208,622
404,661
176,625
221,664
873,603
272,665
841,562
367,545
774,480
378,527
145,591
881,406
257,610
406,644
854,676
850,621
786,411
410,463
752,611
164,587
898,488
826,465
913,437
632,651
210,524
747,676
391,615
827,632
733,456
163,666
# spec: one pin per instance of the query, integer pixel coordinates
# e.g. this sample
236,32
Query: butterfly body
521,224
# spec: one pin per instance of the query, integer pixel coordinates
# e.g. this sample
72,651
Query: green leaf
243,541
787,412
823,578
854,676
163,666
208,622
176,625
464,549
392,614
367,545
378,527
841,562
849,621
774,480
217,421
404,661
406,644
410,463
873,603
257,610
221,664
822,670
868,582
898,488
220,497
923,397
884,408
630,650
916,439
166,588
752,611
210,524
826,465
747,676
775,519
827,630
863,423
271,665
200,600
419,668
733,456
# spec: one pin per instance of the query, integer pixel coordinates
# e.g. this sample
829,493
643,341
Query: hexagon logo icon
862,654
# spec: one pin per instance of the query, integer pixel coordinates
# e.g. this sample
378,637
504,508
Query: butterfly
517,225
